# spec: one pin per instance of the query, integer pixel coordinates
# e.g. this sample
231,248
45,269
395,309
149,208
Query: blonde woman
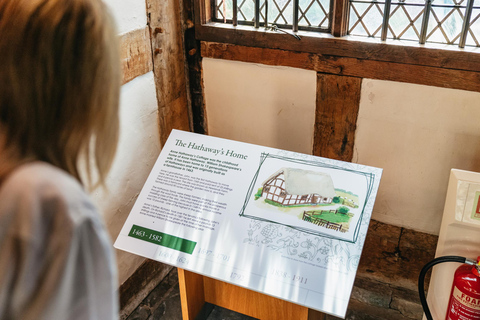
59,87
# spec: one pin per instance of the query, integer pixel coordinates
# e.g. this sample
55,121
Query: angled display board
281,223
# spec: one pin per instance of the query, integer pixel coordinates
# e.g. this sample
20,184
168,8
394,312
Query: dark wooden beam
381,70
166,27
338,99
441,56
195,72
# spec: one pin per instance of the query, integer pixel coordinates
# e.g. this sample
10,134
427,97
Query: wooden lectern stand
196,289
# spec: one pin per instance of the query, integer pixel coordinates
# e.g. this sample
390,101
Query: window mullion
426,16
339,18
295,15
212,13
256,23
266,14
386,18
466,23
235,13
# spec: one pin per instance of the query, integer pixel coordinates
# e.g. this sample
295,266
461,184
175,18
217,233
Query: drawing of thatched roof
301,182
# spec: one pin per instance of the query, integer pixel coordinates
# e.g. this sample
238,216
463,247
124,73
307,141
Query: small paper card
281,223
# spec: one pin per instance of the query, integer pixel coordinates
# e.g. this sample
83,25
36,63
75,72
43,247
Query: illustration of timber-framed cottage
290,186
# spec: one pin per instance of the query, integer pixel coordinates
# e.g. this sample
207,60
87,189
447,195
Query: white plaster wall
270,106
129,14
417,134
137,151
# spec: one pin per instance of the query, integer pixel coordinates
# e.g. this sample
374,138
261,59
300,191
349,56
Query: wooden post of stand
196,289
192,294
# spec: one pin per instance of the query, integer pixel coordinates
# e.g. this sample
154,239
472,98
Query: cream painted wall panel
129,14
137,152
270,106
417,134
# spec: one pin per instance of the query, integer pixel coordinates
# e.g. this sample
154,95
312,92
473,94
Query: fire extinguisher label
464,306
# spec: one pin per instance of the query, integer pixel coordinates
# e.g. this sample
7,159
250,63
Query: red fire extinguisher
464,303
465,295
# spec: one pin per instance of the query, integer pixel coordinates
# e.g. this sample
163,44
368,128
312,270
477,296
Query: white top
56,258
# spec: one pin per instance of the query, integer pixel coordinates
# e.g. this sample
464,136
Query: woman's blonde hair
59,85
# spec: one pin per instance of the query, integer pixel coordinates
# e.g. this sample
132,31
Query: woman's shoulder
38,184
50,224
40,178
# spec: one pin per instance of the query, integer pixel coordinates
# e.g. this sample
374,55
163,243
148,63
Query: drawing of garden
310,196
318,196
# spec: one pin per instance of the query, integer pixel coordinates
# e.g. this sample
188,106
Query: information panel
285,224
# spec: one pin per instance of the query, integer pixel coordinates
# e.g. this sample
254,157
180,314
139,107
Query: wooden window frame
430,64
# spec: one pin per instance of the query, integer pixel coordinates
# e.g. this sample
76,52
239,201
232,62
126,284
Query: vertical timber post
166,32
195,70
338,99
